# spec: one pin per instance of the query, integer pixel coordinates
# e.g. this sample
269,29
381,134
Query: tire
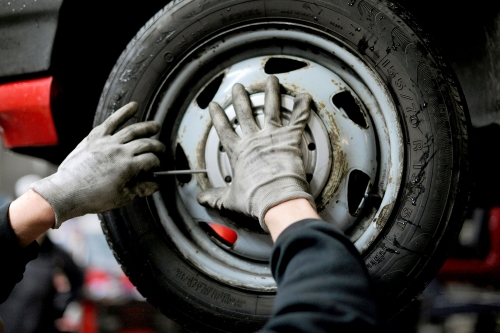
401,201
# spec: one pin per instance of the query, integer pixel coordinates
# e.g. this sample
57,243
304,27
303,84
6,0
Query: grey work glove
267,163
100,173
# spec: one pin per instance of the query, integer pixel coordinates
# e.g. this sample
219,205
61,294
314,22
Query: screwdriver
177,172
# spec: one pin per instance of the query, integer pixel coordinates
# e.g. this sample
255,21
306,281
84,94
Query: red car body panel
485,270
26,115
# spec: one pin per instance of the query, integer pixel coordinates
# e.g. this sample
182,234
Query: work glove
101,172
267,163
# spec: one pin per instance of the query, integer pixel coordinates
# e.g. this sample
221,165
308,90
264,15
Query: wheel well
88,42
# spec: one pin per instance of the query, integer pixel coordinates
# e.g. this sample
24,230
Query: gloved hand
99,174
267,163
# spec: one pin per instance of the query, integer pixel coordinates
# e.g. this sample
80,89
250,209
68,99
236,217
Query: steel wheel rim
232,269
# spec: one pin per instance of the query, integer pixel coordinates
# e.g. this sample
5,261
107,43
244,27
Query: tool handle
177,172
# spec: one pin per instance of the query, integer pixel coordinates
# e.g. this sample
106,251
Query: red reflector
25,113
226,234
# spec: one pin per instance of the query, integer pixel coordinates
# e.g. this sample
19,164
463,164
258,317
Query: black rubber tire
415,236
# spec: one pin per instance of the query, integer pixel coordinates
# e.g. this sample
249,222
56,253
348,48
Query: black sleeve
13,258
323,285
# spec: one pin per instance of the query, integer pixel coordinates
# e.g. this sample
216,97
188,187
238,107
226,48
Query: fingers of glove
272,104
117,119
301,110
139,130
146,145
226,133
243,110
145,162
213,197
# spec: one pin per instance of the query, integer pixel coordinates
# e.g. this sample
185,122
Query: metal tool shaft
177,172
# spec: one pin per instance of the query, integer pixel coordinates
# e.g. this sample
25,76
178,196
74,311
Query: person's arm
323,284
100,174
280,217
95,177
30,216
13,255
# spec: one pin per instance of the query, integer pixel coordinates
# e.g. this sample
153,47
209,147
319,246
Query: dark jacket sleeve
323,285
13,258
